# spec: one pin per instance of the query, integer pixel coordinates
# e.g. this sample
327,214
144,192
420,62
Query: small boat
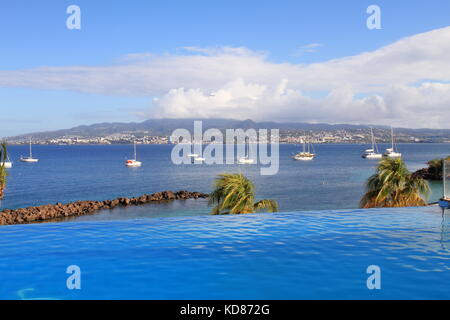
30,158
133,163
193,155
246,159
392,152
304,156
7,164
307,155
372,153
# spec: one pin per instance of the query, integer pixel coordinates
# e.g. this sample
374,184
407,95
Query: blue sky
34,34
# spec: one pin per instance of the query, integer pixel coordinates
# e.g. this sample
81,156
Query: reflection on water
24,294
445,234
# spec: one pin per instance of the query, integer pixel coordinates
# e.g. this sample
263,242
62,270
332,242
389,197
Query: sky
302,61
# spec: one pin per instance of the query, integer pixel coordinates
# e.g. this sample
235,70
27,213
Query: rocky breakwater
80,208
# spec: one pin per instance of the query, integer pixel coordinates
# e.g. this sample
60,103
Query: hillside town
358,136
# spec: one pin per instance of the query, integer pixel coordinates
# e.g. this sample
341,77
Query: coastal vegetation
235,194
434,170
394,186
3,172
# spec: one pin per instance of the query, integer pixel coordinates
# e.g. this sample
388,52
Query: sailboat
392,152
372,153
246,159
308,154
30,158
200,159
7,164
133,163
192,154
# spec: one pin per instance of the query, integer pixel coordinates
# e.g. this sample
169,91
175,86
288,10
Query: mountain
164,127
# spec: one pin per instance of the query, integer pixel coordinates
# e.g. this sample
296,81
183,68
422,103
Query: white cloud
308,48
406,83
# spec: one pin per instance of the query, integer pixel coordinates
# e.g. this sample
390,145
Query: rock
142,200
59,210
114,203
428,174
169,195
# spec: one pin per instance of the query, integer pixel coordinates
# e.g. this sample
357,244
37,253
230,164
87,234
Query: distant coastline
167,143
159,131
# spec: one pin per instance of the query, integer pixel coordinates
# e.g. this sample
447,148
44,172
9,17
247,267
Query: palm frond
394,186
270,205
3,172
234,194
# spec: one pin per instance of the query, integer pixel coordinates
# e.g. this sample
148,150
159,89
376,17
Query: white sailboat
200,159
372,153
392,152
246,159
30,158
7,164
308,153
193,154
133,163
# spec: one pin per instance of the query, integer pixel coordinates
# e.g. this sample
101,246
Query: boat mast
135,156
392,136
444,173
309,146
373,139
31,154
247,148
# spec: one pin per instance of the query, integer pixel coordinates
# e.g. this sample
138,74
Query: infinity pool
307,255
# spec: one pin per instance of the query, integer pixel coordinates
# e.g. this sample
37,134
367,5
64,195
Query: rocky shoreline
80,208
429,174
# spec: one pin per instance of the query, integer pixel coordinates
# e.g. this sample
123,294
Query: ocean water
334,180
305,255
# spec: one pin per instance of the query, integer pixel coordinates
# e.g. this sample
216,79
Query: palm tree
235,194
3,172
394,186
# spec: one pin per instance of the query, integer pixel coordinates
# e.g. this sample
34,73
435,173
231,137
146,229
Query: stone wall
80,208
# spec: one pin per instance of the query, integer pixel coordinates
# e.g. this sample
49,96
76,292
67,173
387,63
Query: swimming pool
305,255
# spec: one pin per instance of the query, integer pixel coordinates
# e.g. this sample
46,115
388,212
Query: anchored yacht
30,158
133,163
246,159
372,153
392,152
7,164
308,153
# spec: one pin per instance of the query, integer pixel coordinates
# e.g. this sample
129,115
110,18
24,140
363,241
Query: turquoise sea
319,248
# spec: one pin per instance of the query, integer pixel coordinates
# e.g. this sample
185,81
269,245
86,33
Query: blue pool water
268,256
